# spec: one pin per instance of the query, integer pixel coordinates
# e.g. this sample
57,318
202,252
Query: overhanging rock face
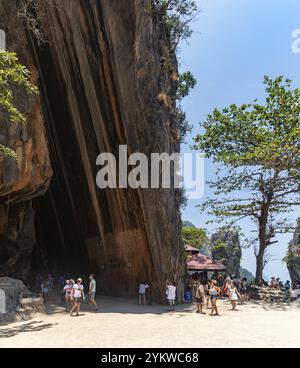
102,75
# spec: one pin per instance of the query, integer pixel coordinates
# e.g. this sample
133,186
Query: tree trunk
259,266
263,241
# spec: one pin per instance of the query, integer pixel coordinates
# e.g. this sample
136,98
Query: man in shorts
92,292
171,295
143,287
200,298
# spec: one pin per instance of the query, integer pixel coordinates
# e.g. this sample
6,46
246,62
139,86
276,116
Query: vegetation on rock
226,248
292,258
177,16
196,237
12,75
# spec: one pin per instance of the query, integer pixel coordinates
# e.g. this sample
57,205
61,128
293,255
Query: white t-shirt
78,291
69,290
143,288
171,292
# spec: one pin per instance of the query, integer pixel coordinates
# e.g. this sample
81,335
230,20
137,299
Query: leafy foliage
177,16
186,82
12,75
259,146
182,123
196,237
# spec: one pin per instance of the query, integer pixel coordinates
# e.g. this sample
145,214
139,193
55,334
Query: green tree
196,237
177,16
259,149
186,82
12,75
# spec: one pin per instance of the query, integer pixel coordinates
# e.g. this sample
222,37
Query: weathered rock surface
271,295
226,248
14,290
104,82
30,176
293,256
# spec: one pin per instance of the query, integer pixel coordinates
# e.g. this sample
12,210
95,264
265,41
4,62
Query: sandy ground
122,323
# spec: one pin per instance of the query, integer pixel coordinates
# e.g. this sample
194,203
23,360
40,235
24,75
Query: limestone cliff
226,248
30,176
293,256
107,77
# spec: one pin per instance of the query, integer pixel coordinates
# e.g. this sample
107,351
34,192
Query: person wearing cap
78,297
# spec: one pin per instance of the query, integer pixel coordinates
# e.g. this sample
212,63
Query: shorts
92,295
78,300
200,301
213,297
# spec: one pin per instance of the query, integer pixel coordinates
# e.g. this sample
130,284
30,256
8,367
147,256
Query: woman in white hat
78,297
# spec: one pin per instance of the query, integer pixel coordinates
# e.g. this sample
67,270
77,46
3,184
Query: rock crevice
101,75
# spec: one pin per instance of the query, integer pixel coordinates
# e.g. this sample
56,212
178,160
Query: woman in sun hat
78,297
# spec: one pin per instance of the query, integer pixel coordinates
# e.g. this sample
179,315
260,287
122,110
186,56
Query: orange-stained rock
100,75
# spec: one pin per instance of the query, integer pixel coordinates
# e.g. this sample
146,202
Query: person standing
69,294
61,284
233,296
143,287
92,292
287,288
171,295
200,297
49,286
207,292
214,292
78,297
45,291
244,288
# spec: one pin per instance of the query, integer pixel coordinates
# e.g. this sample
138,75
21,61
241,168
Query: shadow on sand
269,306
27,327
109,305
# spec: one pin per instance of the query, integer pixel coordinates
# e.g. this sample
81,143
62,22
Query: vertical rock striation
227,249
293,257
107,78
30,176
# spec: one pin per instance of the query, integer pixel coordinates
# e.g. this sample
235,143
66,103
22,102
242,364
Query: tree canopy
177,16
259,147
196,237
12,75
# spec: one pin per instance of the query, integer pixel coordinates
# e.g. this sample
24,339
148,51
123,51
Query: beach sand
122,323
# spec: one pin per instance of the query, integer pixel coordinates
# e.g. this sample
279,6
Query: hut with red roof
197,262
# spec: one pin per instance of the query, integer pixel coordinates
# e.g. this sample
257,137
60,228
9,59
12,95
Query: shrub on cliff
13,76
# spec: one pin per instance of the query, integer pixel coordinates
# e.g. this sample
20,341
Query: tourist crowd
71,292
204,293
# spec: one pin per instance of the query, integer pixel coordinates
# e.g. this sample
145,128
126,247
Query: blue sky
237,42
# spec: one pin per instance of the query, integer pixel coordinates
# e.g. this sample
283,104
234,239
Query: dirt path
122,323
